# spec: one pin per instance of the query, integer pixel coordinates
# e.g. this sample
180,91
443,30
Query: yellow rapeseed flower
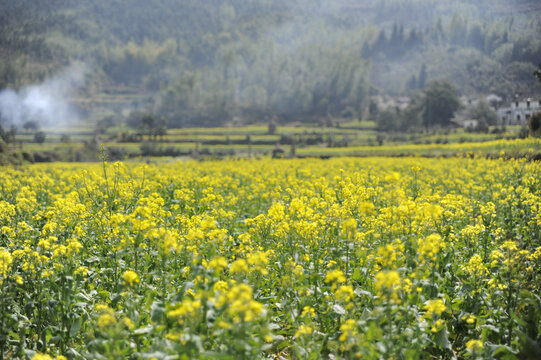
475,266
130,278
344,293
39,356
348,329
239,267
434,307
303,330
335,276
308,311
5,261
474,345
429,247
258,261
218,263
105,320
387,280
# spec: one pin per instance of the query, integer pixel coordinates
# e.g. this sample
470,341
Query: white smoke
46,104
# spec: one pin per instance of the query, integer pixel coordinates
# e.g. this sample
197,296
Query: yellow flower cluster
435,307
241,306
5,261
429,247
387,281
303,330
188,309
475,266
130,278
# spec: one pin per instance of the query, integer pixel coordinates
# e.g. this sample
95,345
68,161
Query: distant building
402,102
494,100
519,112
470,124
385,102
461,120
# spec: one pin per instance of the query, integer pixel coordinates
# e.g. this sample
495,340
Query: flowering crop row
304,259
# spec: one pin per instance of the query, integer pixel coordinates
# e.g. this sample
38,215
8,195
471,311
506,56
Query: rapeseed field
280,259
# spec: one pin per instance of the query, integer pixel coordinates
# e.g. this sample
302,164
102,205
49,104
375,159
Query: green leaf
339,309
157,311
75,326
443,339
92,259
356,274
503,352
143,331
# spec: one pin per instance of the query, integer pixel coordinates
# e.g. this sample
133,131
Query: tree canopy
537,73
440,104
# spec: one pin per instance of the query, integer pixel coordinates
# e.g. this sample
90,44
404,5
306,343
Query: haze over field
47,103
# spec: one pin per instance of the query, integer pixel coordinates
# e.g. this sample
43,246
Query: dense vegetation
204,63
302,259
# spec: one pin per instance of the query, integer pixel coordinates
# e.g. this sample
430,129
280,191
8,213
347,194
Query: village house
519,112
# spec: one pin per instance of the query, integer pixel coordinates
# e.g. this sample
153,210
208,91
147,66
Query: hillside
211,62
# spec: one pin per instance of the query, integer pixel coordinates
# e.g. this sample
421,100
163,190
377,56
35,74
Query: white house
519,112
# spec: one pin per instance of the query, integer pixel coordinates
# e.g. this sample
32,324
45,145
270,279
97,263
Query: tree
537,73
160,129
411,83
373,110
388,120
104,124
483,113
535,124
39,137
412,115
134,119
422,77
440,104
148,121
271,129
9,136
2,139
31,125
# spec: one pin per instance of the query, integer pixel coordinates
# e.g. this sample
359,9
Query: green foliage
104,124
148,123
440,104
299,60
30,126
39,137
8,136
389,120
422,77
534,124
388,258
483,113
537,73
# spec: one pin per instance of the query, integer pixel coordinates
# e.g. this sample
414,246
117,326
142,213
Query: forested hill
208,61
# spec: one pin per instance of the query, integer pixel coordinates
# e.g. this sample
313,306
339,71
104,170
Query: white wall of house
519,112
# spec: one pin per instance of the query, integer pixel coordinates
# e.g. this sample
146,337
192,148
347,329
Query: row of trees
9,136
315,80
434,107
505,39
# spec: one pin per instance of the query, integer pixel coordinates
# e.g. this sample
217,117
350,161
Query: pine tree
537,73
422,77
412,82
